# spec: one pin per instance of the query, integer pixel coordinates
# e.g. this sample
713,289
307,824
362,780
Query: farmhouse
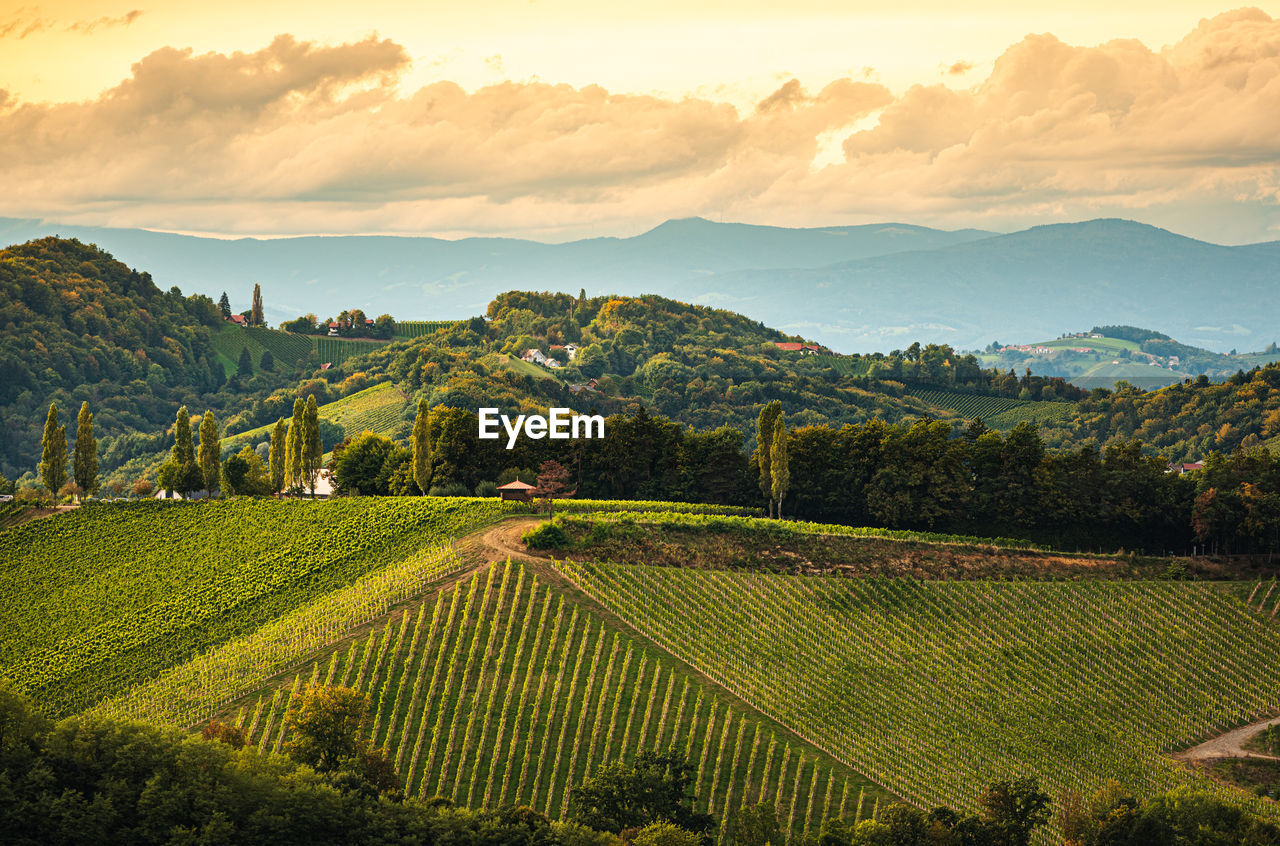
239,320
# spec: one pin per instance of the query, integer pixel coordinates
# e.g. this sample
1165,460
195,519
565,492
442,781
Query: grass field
524,368
501,690
931,688
110,595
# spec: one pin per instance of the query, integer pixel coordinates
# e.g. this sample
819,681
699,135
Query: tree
312,448
358,465
778,466
1013,810
764,446
666,834
210,456
224,305
184,450
244,474
244,368
757,825
278,456
267,362
142,488
422,448
553,478
655,788
84,465
255,313
325,726
53,452
293,448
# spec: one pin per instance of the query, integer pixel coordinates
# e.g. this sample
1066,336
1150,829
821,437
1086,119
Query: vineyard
337,350
289,350
932,687
502,691
378,409
419,328
111,595
998,412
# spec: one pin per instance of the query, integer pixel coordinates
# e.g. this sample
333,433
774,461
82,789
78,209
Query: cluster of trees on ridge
114,781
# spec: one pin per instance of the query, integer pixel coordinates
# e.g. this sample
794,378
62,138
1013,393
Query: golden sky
564,119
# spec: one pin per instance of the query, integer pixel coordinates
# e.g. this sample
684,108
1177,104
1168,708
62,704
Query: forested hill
75,325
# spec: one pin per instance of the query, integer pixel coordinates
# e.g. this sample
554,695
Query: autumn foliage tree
553,479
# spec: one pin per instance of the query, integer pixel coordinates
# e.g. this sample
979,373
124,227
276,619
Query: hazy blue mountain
429,278
854,288
1026,286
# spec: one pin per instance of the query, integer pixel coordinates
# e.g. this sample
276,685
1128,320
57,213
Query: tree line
909,476
122,782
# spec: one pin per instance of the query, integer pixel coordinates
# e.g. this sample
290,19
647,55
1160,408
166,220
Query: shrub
546,536
487,489
451,489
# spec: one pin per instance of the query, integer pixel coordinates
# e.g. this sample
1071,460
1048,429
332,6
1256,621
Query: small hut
516,491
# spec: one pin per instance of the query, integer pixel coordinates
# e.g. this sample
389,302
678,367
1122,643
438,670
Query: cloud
303,137
958,68
106,22
28,21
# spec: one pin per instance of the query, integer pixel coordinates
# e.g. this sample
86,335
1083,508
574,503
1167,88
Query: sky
568,119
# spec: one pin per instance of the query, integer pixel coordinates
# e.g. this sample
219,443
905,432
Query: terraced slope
933,687
99,599
504,690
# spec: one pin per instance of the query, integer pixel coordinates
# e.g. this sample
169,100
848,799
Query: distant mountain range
854,288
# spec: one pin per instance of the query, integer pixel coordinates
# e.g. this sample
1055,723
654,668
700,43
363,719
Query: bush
451,489
487,489
546,536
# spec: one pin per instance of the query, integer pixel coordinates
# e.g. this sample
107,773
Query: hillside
1142,357
506,689
824,692
929,687
111,595
76,325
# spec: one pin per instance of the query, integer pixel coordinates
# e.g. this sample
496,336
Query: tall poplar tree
84,467
184,450
255,314
53,454
779,466
421,449
764,447
210,459
293,448
278,457
312,449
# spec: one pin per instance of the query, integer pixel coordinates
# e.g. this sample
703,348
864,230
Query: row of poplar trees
53,455
293,463
771,456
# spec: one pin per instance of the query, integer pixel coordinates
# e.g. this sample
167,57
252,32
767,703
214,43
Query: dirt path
1231,744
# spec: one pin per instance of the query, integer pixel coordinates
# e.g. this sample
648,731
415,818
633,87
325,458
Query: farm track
1230,744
